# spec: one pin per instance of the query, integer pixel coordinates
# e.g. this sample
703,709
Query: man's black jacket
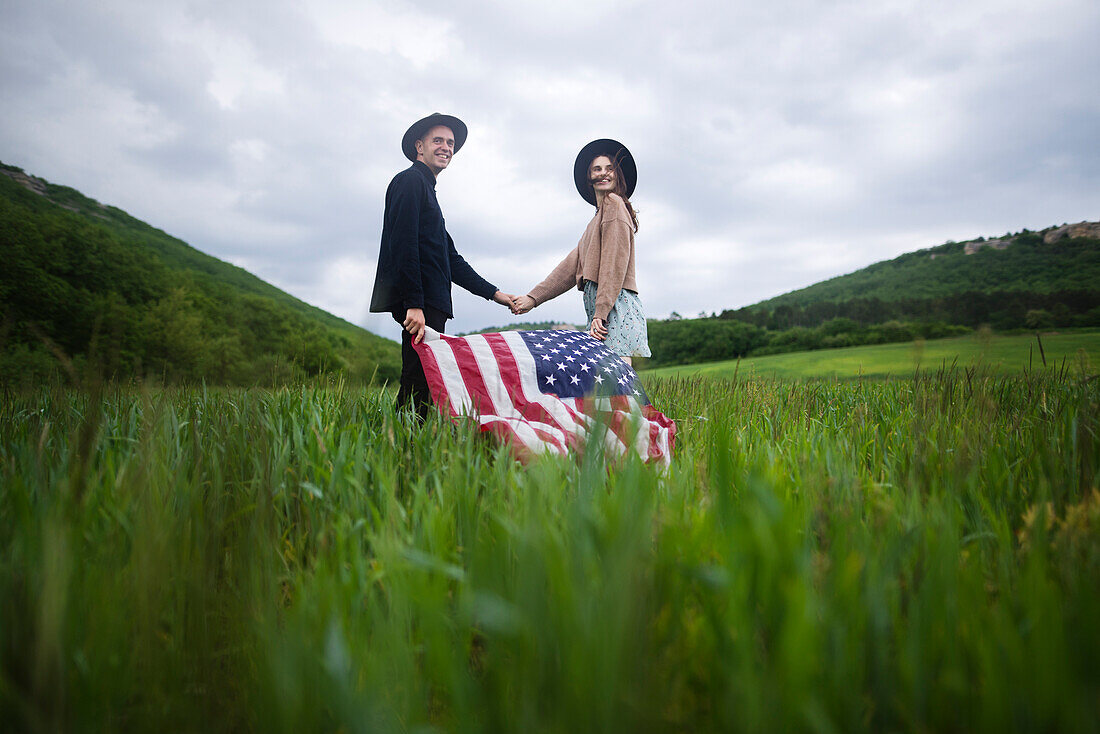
418,262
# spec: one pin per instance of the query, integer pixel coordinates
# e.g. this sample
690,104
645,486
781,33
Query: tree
175,343
1038,319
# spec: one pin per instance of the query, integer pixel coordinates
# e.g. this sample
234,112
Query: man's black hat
614,150
420,128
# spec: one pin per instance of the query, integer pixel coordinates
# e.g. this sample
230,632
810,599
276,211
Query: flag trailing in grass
545,391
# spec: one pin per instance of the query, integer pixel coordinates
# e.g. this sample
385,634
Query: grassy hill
82,280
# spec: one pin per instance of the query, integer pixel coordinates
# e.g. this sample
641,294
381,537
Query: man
417,261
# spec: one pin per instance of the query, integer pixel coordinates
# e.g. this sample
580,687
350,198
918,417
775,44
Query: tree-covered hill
81,280
994,282
1027,280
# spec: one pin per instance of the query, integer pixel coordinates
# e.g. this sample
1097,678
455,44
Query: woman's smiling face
602,174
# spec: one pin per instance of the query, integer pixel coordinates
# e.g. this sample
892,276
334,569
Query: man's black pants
414,385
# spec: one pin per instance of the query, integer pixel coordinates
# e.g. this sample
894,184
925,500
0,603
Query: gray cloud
778,144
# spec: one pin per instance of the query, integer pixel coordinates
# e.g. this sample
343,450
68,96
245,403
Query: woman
602,263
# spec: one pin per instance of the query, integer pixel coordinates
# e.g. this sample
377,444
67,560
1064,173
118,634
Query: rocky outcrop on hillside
36,185
1050,236
1073,231
42,188
974,245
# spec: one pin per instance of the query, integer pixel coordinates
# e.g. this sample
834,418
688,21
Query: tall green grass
919,555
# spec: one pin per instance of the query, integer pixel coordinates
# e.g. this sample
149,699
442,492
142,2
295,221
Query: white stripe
452,378
666,451
612,443
490,374
641,424
573,421
498,393
637,422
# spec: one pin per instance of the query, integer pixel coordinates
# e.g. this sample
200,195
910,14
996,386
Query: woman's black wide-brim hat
419,128
628,169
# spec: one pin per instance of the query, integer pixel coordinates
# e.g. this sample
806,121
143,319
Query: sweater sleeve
561,278
463,274
615,236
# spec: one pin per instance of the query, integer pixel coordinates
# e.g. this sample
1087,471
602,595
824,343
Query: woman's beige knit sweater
605,255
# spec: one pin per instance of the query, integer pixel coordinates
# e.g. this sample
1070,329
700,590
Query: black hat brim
628,169
420,128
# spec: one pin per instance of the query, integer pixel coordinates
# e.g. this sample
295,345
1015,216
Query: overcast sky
778,143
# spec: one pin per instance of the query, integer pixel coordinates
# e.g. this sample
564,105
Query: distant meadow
1073,351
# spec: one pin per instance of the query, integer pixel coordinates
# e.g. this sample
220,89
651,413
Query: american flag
545,391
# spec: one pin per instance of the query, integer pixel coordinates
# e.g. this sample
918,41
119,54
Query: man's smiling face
436,148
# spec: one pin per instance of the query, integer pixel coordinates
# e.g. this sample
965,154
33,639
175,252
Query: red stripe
472,377
434,376
508,437
664,421
509,369
624,428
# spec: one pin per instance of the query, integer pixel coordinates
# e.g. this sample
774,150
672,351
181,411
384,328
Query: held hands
517,304
522,304
598,328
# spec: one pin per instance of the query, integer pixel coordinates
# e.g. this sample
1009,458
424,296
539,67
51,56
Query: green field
826,556
1079,350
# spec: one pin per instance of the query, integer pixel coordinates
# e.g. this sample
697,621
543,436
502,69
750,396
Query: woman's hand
522,304
598,328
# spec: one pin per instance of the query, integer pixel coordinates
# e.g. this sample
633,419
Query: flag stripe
532,405
512,376
555,408
450,388
462,374
476,385
493,386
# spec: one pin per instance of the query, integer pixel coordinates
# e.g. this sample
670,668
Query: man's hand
598,328
414,324
522,304
504,299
